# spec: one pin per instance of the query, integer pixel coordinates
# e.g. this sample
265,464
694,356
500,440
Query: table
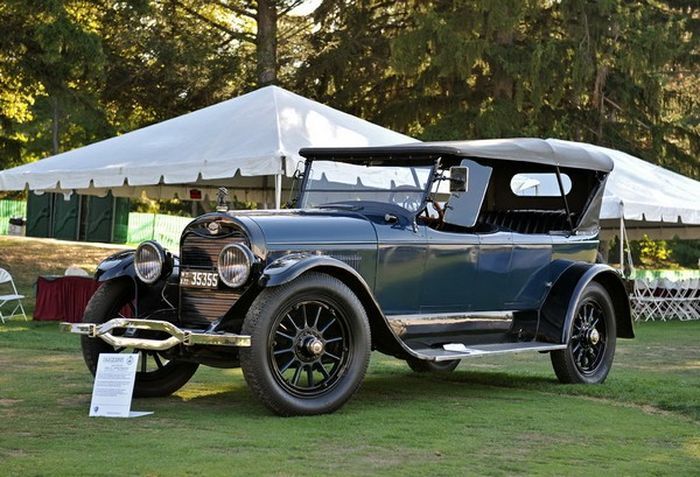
63,298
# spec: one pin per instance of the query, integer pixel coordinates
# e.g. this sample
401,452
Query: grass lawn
495,416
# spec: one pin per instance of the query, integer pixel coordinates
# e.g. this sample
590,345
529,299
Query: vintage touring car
429,252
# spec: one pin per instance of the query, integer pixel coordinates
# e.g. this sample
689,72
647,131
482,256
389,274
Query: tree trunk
599,99
54,127
503,85
266,42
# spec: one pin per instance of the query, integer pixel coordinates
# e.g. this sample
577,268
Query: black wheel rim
589,337
309,348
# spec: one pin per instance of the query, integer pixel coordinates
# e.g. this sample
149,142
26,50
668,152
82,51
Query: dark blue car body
509,281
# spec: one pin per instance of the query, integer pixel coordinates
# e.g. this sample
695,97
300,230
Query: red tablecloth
63,298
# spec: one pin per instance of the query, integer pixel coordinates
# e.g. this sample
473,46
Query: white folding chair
15,297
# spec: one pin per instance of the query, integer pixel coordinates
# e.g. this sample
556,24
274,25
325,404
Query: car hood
309,226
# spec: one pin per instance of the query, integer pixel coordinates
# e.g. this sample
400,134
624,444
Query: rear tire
310,346
165,377
424,366
589,354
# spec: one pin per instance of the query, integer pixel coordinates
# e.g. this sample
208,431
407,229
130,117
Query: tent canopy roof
648,193
540,151
257,134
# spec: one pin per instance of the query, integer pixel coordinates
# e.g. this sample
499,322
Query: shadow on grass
376,390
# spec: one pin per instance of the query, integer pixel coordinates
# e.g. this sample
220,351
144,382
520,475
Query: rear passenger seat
526,221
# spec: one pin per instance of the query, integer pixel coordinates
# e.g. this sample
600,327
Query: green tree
616,73
161,64
51,65
349,64
253,23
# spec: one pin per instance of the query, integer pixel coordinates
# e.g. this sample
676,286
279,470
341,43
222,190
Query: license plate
192,279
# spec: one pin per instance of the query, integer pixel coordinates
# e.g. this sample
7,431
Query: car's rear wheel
423,366
310,345
589,355
156,376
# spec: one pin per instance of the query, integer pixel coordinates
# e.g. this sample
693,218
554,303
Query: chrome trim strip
455,317
400,324
177,335
337,242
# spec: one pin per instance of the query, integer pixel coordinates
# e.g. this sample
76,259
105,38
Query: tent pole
621,238
278,191
153,229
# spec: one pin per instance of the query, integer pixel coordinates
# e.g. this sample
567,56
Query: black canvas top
539,151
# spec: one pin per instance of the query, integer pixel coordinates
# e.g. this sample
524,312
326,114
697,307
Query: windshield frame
434,164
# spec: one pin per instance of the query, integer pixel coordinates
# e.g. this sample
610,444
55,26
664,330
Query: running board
459,351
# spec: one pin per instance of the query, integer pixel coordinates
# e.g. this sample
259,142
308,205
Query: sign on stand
114,386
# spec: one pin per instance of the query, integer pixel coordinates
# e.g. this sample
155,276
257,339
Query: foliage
619,73
616,73
686,252
651,253
51,65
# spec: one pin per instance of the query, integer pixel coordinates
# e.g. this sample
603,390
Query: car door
401,255
452,283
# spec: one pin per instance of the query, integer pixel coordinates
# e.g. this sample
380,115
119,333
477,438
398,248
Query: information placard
114,386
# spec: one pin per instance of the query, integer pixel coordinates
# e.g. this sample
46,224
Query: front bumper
177,336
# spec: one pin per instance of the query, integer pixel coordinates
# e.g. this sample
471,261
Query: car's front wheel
156,376
310,345
589,355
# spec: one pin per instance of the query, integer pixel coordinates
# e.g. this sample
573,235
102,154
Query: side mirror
459,179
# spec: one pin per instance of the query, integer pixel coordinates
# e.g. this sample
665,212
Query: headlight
149,262
234,264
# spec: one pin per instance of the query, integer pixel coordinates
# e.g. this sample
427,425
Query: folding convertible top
554,152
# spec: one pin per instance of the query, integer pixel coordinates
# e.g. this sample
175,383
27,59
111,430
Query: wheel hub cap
314,346
593,336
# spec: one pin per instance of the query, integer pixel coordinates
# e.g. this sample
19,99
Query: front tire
155,376
310,345
589,354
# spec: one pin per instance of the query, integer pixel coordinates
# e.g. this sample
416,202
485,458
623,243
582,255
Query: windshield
332,182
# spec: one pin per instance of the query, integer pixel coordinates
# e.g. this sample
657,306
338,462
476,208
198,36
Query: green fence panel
140,227
11,208
169,229
166,229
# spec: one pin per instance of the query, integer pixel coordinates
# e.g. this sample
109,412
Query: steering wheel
440,211
437,221
408,202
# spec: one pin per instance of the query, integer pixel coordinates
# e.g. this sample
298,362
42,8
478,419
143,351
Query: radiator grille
203,252
199,307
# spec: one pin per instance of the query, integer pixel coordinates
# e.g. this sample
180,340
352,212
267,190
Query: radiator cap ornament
222,200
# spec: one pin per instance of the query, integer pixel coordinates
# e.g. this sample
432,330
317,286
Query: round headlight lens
149,261
234,264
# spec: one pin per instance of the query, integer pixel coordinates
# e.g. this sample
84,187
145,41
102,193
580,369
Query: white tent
651,200
237,143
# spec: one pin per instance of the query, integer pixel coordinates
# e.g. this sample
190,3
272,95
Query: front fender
289,267
560,306
120,264
148,298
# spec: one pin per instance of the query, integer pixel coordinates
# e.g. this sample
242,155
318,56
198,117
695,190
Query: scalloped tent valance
253,135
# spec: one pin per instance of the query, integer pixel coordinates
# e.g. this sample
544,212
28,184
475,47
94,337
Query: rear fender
289,267
561,303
